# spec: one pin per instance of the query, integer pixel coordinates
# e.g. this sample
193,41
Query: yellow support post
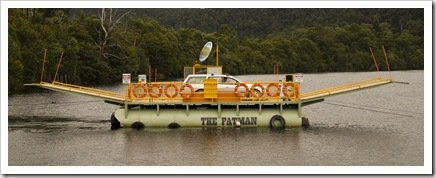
375,62
155,74
129,92
149,73
387,63
276,73
217,54
42,71
54,79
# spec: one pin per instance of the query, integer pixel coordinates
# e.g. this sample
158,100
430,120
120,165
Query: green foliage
250,41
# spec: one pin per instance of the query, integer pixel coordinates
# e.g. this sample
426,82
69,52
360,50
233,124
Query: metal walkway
355,86
75,89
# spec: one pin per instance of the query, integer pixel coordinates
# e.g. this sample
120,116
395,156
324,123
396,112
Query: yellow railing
173,91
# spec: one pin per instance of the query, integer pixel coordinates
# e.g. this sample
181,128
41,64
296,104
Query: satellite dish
205,51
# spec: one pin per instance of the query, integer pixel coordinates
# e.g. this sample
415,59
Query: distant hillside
99,45
258,23
261,22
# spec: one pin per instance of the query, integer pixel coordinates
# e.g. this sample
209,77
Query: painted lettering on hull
229,120
208,121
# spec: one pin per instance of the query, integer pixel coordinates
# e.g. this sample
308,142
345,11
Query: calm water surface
382,126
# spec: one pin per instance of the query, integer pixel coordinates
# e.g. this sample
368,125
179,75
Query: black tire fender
277,122
305,122
137,125
174,125
115,124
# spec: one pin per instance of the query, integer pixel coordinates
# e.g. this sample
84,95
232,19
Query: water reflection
208,146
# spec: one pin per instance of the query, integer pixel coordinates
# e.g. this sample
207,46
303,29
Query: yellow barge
210,108
275,104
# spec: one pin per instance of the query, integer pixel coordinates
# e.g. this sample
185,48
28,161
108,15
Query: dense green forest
98,45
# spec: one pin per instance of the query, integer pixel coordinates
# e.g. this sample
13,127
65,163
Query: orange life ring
268,92
237,88
289,93
261,87
176,90
154,95
297,87
139,95
182,89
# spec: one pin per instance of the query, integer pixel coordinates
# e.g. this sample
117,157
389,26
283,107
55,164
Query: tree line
98,45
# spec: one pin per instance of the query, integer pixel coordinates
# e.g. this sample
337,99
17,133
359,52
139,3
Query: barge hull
204,117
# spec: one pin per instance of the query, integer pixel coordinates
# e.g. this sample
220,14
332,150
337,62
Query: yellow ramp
355,86
68,88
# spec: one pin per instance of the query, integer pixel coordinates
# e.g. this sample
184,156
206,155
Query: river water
382,126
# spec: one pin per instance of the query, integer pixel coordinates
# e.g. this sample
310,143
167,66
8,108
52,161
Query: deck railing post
387,63
376,65
42,71
57,69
